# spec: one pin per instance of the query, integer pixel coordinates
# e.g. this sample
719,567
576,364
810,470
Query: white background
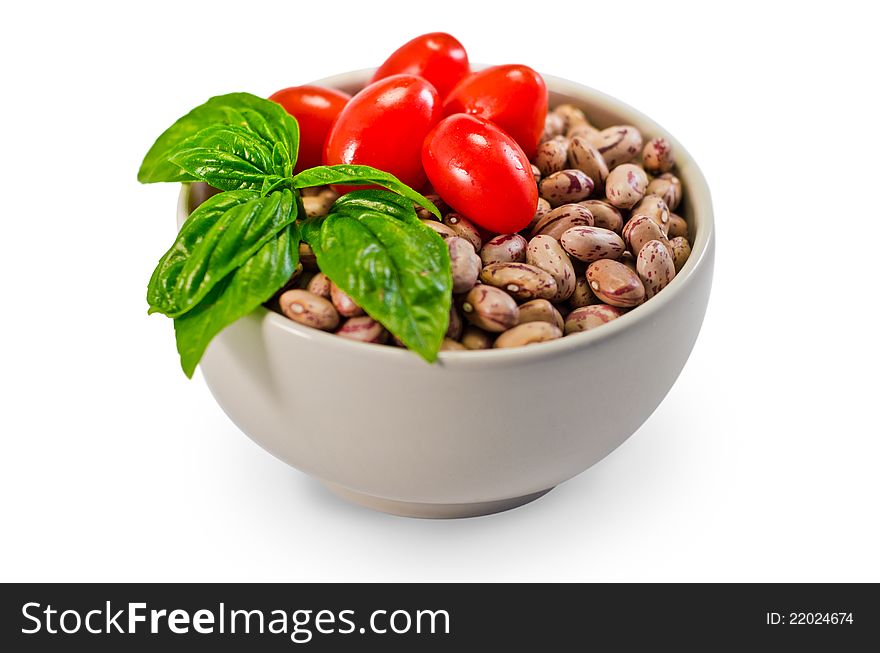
760,465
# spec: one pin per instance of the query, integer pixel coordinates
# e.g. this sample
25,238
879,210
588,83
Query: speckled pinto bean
449,344
425,214
639,230
628,260
654,207
536,173
546,253
615,284
551,156
364,329
668,187
618,144
464,228
343,303
590,244
655,267
464,262
571,115
529,333
307,257
490,309
543,209
681,251
582,129
604,215
504,248
444,231
554,125
319,285
475,338
582,295
566,187
521,280
540,310
678,226
562,218
309,309
626,185
455,326
583,156
590,317
657,156
317,205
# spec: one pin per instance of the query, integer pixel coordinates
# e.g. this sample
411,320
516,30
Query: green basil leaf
220,236
397,270
357,174
236,295
265,118
228,157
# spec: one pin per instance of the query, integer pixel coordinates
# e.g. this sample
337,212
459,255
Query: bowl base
433,510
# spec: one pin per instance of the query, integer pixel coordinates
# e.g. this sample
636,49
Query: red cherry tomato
438,57
514,97
481,172
315,109
384,126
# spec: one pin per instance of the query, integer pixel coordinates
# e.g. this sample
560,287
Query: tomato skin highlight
315,109
384,126
512,96
438,57
481,172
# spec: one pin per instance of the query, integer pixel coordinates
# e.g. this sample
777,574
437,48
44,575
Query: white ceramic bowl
477,432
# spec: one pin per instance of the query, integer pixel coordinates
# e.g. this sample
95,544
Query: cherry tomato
481,172
514,97
438,57
384,126
315,109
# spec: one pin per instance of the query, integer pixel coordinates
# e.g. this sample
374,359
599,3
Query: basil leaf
236,295
397,270
228,157
357,174
220,236
265,118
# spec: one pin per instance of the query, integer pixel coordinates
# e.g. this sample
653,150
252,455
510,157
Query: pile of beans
603,240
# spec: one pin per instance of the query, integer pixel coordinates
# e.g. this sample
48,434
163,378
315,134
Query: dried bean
590,317
583,156
540,310
566,187
655,267
543,209
465,264
554,125
464,228
618,144
364,329
529,333
626,185
343,303
546,253
657,156
455,327
319,285
571,115
583,294
582,129
504,248
521,280
562,218
490,309
309,309
590,244
639,230
317,205
449,344
681,251
615,284
475,338
604,215
668,187
536,173
425,214
551,156
678,226
444,231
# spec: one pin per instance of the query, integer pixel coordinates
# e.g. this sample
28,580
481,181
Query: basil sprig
241,246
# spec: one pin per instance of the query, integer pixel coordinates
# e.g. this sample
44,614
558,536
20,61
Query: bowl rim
696,188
